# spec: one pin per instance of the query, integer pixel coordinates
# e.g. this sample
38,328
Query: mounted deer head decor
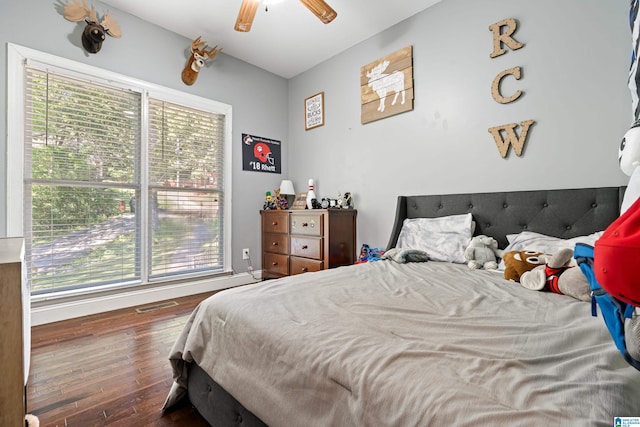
94,33
199,54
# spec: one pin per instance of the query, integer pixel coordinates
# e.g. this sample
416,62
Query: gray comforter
387,344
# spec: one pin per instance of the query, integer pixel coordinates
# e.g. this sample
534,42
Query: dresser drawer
304,265
276,263
275,222
308,247
308,224
298,241
276,243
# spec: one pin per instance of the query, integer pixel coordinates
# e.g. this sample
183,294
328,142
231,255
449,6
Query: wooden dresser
15,337
298,241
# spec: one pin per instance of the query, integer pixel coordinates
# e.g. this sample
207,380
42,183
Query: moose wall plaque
95,31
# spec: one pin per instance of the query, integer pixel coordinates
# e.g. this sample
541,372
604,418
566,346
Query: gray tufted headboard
559,213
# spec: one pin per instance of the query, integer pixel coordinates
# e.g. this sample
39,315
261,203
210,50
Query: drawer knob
305,247
274,223
274,244
274,263
304,269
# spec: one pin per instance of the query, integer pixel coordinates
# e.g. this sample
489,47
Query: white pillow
548,244
443,239
529,240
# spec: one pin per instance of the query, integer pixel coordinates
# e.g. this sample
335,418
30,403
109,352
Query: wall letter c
495,86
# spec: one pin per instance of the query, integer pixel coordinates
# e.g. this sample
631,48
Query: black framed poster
260,154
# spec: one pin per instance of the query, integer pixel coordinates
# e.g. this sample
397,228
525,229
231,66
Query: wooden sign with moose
386,86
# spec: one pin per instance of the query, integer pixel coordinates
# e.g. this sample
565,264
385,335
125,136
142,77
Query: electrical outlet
245,253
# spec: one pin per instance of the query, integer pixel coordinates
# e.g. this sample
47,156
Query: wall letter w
506,134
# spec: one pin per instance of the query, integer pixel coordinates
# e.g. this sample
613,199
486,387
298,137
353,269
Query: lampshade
286,187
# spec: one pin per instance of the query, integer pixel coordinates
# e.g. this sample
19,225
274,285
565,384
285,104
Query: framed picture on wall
314,111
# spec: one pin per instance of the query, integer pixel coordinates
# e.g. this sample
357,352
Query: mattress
393,344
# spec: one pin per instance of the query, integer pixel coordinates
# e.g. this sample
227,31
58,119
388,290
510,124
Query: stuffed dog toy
519,262
556,276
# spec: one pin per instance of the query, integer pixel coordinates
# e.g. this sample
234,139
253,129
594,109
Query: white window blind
186,159
103,206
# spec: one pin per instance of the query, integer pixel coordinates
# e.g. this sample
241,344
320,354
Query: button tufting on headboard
500,213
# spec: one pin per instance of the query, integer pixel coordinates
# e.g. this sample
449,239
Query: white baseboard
57,310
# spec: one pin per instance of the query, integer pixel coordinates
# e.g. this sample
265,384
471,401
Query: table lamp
287,190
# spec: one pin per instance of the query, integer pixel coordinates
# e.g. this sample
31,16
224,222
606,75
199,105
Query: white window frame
18,56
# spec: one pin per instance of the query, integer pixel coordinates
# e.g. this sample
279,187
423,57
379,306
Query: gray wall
152,54
575,64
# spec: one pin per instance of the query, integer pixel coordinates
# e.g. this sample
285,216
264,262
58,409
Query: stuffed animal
629,160
482,252
615,253
276,199
557,276
31,420
518,262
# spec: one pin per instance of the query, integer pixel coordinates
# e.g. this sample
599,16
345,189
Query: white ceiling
287,39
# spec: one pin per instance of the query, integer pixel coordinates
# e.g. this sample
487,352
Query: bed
414,344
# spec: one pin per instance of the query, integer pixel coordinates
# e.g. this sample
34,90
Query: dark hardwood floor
109,369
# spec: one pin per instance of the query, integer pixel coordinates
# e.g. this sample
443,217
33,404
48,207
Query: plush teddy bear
517,263
557,276
483,252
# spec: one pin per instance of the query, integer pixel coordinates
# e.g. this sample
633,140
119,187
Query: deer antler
196,44
111,26
211,53
92,14
75,11
197,47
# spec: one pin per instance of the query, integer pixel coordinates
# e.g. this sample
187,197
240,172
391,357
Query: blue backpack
614,311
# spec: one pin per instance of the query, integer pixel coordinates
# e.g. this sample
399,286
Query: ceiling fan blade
322,10
245,16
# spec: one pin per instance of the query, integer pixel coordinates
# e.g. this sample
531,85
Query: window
124,182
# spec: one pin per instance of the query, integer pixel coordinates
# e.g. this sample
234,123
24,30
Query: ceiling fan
248,9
